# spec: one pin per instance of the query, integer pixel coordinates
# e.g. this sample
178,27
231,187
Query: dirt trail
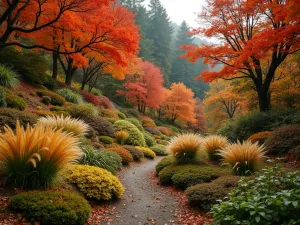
143,202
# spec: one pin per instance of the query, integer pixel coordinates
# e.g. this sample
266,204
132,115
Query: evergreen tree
160,33
184,71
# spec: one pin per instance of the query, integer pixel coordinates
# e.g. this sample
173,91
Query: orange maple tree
249,32
199,125
180,103
21,18
146,89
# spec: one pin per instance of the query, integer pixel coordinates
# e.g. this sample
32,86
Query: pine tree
160,33
184,71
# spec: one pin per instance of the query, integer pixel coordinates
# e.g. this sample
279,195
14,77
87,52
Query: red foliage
146,90
91,98
104,103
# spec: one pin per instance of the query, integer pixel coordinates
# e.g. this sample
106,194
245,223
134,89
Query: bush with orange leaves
33,157
121,136
104,103
165,131
185,147
125,154
147,122
260,137
244,158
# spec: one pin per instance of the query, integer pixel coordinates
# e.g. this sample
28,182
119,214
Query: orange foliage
145,90
165,131
249,32
180,103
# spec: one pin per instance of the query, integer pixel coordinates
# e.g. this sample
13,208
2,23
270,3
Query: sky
180,10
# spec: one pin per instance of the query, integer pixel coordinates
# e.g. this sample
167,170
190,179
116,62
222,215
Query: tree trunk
82,86
54,67
263,99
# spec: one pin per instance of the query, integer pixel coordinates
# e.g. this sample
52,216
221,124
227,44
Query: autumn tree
22,18
250,32
180,104
146,89
108,32
199,125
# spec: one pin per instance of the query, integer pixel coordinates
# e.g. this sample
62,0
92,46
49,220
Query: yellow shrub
185,147
260,137
121,136
33,157
148,153
68,124
243,157
212,144
94,182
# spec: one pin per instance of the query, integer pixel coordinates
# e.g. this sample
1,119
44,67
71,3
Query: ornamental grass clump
33,157
121,136
184,147
212,144
244,158
74,126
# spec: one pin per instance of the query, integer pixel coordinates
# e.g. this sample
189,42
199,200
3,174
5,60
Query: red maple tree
255,37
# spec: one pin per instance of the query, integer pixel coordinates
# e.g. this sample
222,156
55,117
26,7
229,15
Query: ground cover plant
52,207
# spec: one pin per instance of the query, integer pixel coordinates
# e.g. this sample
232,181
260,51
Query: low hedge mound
166,161
136,154
51,207
205,195
94,182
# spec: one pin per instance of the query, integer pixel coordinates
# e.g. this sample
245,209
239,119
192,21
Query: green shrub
150,141
51,83
244,126
108,160
205,195
70,96
14,101
136,137
9,116
148,153
96,92
283,139
55,98
82,111
131,112
30,65
162,142
136,154
8,77
121,115
187,175
271,198
108,113
101,126
159,150
51,207
112,120
94,182
2,98
166,161
106,139
136,123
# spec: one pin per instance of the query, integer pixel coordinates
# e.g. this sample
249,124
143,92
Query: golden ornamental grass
32,157
121,136
67,124
185,147
213,143
244,158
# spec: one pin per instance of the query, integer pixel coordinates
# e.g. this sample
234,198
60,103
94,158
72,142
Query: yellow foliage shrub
148,153
94,182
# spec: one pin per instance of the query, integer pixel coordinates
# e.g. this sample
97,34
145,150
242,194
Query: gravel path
143,202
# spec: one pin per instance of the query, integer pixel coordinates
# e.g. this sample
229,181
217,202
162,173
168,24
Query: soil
144,202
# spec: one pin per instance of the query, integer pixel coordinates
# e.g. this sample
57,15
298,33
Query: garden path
143,201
